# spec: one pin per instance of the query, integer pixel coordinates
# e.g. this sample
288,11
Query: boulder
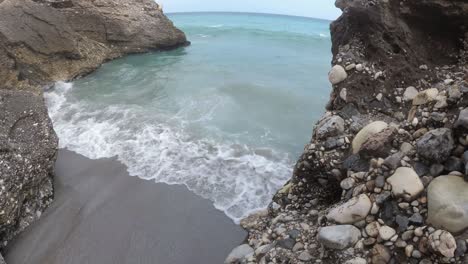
352,211
436,145
330,126
405,182
238,254
337,74
28,147
339,237
366,133
448,203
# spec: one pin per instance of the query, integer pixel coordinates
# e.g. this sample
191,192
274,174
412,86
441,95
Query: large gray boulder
28,147
448,203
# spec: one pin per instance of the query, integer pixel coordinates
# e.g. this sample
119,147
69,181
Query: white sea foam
238,179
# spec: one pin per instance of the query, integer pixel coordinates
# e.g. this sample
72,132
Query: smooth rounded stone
405,181
407,235
380,254
347,183
416,254
425,96
330,126
344,94
436,145
443,242
372,229
339,237
337,74
366,133
448,203
406,148
352,211
386,232
359,67
462,119
304,256
410,93
238,254
356,261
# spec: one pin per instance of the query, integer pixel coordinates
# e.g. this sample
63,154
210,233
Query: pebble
386,232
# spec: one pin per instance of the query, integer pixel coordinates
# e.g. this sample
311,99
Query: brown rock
380,254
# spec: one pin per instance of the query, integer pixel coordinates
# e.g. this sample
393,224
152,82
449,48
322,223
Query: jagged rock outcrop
407,79
43,41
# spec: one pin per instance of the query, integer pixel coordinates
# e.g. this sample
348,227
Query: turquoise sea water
226,116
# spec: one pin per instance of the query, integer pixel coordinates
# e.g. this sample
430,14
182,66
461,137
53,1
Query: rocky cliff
43,41
384,177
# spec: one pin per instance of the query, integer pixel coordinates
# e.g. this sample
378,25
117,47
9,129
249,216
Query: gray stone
410,93
454,164
304,256
287,243
462,119
238,254
330,126
461,248
448,203
416,219
436,169
436,145
337,74
339,237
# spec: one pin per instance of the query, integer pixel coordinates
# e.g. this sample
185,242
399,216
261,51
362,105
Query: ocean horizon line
246,13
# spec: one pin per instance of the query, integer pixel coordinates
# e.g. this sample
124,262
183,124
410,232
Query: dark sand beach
103,215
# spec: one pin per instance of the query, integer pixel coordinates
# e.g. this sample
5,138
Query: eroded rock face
60,40
28,147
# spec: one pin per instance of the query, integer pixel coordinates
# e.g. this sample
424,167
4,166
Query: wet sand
103,215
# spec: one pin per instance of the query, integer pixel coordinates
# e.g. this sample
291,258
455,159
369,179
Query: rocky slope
385,176
43,41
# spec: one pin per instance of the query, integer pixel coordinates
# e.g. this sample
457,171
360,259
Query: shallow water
226,116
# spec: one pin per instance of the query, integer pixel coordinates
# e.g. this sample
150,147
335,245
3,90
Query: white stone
352,211
448,203
350,66
344,94
443,242
339,237
405,181
386,232
379,97
359,67
239,253
410,93
367,132
347,183
356,261
337,74
425,96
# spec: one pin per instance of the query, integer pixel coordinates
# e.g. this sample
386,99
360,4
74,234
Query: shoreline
107,216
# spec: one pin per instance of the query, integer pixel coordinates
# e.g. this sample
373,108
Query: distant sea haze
227,116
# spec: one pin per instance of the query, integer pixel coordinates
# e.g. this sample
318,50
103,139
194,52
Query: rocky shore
384,178
44,41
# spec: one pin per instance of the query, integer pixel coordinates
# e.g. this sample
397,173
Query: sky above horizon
324,9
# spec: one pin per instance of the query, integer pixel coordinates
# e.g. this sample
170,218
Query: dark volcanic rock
43,41
28,147
436,145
